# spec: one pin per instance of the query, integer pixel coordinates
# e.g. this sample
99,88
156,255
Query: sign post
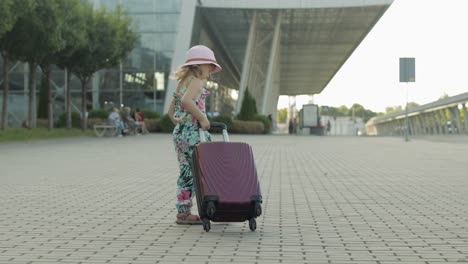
407,74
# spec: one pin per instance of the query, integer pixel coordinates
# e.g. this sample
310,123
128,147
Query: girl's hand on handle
205,124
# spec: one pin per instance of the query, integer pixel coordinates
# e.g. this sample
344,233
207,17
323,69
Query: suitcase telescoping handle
215,124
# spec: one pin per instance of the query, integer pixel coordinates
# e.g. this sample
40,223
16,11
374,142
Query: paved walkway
326,200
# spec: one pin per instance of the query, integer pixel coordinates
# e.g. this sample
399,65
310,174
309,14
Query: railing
445,116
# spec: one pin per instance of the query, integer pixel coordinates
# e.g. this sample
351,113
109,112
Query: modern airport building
269,47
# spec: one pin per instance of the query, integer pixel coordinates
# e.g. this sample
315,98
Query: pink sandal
188,219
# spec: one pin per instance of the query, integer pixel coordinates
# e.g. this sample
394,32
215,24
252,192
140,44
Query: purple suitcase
226,183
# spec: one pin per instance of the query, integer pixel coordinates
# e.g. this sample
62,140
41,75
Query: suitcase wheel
210,210
252,224
258,209
206,224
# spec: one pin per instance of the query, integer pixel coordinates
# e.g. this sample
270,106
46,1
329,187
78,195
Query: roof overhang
317,37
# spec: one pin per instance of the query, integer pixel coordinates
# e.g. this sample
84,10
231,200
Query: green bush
248,108
166,124
226,119
153,125
150,114
266,123
76,120
98,113
247,127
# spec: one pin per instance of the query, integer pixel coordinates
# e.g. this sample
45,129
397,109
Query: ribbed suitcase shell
226,170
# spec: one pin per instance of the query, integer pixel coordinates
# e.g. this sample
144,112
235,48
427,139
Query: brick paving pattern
326,200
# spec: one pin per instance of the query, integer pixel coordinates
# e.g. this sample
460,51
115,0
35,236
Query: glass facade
141,79
146,70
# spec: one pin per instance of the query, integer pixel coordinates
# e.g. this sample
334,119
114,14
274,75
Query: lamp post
121,84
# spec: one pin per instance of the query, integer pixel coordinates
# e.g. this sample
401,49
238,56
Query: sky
431,31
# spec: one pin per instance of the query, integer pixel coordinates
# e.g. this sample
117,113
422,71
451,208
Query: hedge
150,114
98,113
153,125
76,120
266,123
226,119
247,127
166,124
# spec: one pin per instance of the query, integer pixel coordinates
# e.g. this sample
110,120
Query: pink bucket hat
201,55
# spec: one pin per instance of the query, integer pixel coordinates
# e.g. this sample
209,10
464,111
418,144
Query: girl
187,112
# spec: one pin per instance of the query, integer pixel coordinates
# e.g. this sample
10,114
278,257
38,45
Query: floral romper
185,136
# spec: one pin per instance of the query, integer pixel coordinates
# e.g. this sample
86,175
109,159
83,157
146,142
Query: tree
399,108
37,35
282,115
412,105
7,19
74,34
343,111
9,13
443,96
393,109
110,39
54,42
368,114
7,16
357,110
248,108
327,110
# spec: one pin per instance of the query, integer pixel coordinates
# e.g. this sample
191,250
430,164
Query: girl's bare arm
192,94
170,112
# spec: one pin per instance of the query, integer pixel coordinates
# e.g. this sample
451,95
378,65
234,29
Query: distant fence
442,117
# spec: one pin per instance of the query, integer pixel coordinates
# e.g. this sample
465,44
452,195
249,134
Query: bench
105,130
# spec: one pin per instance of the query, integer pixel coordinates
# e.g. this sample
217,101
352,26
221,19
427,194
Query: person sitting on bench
114,119
140,120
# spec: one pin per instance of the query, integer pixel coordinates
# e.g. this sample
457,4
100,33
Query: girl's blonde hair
182,73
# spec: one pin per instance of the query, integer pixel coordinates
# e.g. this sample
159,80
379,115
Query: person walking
187,112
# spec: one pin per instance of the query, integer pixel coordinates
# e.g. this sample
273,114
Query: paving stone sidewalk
326,200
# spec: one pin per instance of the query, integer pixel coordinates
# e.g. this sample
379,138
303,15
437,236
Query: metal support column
433,123
456,113
437,121
465,117
247,62
413,126
417,125
272,64
443,116
453,121
421,128
423,124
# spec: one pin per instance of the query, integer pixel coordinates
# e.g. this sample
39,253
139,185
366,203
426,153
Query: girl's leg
185,188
